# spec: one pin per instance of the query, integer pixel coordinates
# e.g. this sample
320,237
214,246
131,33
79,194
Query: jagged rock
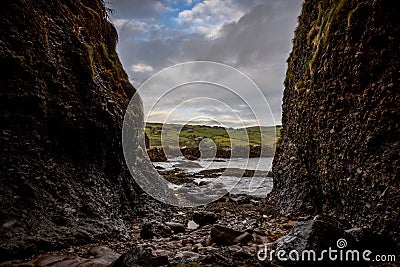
140,257
223,235
204,217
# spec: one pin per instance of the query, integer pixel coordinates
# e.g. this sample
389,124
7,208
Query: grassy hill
191,135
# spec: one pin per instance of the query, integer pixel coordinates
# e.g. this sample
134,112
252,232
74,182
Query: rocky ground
228,232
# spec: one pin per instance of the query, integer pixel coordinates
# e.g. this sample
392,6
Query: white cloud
209,17
135,25
141,67
138,8
257,43
160,7
157,116
132,28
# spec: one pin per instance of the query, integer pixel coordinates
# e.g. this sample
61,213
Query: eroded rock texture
340,146
63,96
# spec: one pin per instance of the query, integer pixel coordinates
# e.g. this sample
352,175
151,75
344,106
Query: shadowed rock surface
62,99
340,147
324,232
140,256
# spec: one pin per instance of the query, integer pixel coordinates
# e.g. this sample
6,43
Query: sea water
258,186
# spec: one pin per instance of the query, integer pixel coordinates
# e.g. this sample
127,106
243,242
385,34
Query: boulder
204,217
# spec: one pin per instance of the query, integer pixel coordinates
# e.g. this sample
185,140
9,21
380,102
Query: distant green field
191,135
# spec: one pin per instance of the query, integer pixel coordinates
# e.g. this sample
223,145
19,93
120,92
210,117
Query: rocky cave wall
340,147
63,96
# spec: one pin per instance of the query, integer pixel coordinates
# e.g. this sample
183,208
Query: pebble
192,225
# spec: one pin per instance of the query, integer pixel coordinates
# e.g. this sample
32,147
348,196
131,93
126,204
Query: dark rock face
62,98
340,146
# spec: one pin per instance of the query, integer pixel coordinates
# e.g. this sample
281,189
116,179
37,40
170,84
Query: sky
251,38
